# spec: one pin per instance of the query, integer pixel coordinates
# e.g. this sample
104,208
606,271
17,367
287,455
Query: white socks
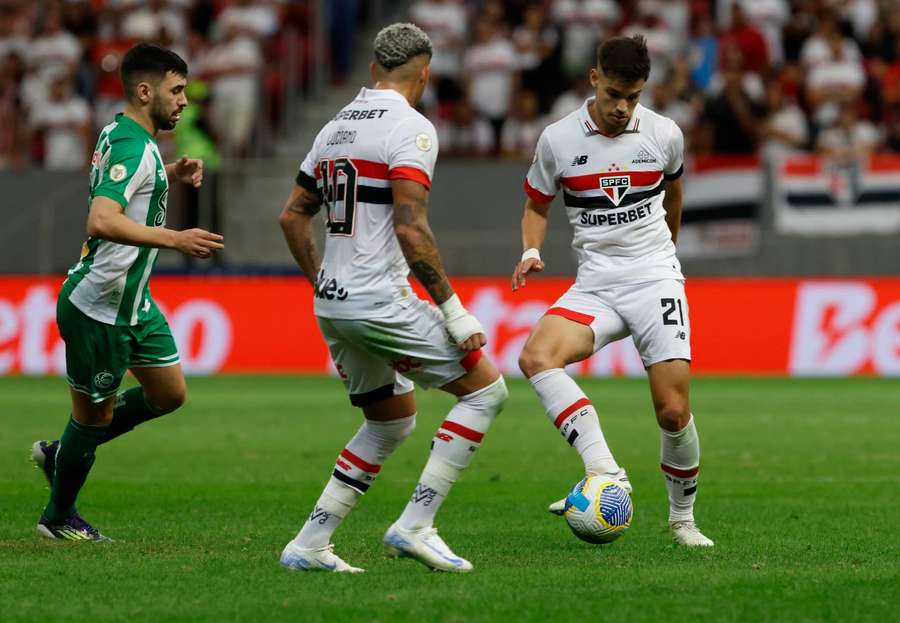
452,449
680,463
574,415
354,471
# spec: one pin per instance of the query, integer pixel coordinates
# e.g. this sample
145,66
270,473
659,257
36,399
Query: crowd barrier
797,327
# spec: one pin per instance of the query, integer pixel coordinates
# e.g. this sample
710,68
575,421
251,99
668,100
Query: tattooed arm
296,220
416,240
421,253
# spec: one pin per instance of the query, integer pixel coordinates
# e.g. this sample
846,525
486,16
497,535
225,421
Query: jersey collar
368,94
590,128
122,118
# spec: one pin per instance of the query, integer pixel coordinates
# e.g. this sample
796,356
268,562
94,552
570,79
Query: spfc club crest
615,186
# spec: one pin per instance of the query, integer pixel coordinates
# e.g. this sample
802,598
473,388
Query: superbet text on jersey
375,139
613,193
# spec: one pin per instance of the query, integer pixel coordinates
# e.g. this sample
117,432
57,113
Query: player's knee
170,400
489,399
673,413
389,434
534,360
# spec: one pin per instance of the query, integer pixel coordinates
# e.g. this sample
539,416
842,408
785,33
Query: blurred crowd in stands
59,70
745,77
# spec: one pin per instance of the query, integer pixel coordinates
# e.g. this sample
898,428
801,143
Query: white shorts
655,314
377,357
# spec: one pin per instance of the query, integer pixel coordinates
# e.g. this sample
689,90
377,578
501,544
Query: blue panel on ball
615,505
578,500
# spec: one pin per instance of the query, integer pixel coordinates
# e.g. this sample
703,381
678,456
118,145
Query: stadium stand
791,112
249,61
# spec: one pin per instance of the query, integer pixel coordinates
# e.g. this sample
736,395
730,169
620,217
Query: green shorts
99,354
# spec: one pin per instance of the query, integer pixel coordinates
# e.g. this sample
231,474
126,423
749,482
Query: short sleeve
674,166
542,182
125,171
412,151
306,176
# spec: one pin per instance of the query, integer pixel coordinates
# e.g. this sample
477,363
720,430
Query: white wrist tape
461,325
452,308
531,254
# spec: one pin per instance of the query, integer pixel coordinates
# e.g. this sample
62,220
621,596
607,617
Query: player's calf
575,418
356,468
452,449
680,465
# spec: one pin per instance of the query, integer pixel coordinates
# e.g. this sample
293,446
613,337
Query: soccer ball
598,510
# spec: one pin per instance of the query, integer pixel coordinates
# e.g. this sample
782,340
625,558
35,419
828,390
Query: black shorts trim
367,398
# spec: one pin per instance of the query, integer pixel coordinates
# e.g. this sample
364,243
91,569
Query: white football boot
315,559
620,477
687,533
425,546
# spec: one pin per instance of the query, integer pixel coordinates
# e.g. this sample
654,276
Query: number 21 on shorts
670,306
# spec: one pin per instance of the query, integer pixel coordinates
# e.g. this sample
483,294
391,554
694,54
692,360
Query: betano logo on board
237,324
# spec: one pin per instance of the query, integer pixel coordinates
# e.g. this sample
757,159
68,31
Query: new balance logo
422,494
643,157
680,335
579,160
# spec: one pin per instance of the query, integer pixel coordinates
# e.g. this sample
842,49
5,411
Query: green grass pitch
800,489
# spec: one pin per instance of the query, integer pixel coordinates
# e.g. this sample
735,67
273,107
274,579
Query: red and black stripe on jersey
649,183
368,193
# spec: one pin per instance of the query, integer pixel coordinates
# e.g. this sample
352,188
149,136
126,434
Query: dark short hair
624,58
146,60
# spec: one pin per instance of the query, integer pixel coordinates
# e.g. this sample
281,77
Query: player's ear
595,77
143,91
373,70
426,72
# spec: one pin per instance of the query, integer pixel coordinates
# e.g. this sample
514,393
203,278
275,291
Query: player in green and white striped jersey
104,311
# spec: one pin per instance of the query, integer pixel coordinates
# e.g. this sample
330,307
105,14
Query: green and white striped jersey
110,281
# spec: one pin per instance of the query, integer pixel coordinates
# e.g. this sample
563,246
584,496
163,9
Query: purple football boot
72,529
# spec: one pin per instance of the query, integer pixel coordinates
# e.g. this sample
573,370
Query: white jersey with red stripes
613,193
376,138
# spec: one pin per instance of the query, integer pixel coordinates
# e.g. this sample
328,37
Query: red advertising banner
801,327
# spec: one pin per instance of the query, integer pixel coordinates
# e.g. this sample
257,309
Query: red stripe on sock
680,473
569,314
582,402
468,362
360,463
463,431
